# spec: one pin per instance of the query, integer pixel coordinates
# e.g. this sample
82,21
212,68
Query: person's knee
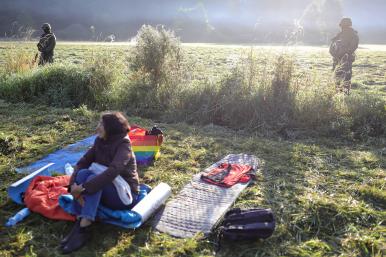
83,176
91,176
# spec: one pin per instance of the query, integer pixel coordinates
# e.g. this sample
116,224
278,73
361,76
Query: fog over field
216,21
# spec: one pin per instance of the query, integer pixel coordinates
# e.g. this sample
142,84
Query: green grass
212,61
285,90
327,194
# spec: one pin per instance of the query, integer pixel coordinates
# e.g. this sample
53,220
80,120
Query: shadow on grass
311,185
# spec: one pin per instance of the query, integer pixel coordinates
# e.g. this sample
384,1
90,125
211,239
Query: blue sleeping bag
122,218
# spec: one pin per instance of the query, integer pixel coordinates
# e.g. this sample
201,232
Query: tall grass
267,93
19,60
64,84
263,92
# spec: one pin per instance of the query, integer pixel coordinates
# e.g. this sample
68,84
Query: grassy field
212,60
328,194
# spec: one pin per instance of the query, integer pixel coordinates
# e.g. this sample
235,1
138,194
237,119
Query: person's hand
76,191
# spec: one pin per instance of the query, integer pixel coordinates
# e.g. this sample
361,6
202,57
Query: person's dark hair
115,123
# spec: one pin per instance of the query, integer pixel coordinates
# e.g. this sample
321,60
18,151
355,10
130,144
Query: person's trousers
343,73
45,58
107,196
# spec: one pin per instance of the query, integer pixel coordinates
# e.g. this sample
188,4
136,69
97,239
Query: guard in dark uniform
46,45
342,49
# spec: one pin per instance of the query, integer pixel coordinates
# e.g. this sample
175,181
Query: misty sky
247,21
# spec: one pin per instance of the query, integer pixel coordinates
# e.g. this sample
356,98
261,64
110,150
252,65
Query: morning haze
215,21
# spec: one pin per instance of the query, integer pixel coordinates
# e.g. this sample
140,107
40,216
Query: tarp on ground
70,154
145,147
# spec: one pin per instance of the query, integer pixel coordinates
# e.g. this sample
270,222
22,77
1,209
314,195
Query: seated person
112,148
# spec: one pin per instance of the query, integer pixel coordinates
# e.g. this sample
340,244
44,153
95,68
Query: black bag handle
232,211
244,216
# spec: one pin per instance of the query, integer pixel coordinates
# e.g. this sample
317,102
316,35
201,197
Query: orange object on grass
42,196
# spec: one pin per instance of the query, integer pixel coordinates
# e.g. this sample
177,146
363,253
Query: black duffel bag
250,224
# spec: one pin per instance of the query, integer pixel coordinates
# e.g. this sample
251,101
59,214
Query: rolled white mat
148,205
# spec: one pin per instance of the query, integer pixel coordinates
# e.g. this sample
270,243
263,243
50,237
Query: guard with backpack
342,49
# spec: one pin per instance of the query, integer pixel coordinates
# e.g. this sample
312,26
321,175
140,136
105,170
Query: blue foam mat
122,218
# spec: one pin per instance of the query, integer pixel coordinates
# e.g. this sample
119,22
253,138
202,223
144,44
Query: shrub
56,85
103,73
64,85
157,64
157,52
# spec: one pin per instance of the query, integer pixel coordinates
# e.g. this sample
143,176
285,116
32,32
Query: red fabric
235,173
42,196
138,137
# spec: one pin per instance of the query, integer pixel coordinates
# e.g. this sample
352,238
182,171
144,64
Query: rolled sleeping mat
157,197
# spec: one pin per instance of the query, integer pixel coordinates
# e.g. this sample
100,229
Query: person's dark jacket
347,41
47,44
115,153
